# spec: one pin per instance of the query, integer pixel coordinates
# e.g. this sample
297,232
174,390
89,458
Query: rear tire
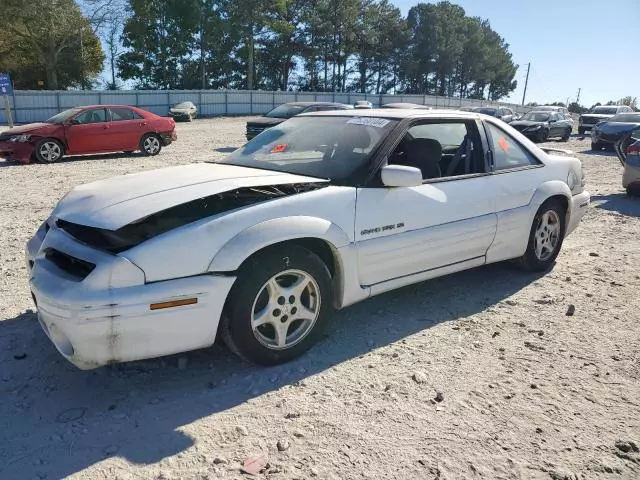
546,237
48,150
596,146
150,144
279,306
633,191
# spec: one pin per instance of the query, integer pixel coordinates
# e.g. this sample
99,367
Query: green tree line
309,45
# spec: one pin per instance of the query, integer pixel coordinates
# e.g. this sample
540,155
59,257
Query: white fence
35,106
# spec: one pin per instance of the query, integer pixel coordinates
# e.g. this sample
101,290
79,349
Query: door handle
142,124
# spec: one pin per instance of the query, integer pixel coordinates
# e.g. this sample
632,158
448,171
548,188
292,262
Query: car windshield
286,111
544,109
536,117
64,116
605,110
486,111
316,146
183,105
626,117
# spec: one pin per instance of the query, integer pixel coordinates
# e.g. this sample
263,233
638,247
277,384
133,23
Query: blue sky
571,44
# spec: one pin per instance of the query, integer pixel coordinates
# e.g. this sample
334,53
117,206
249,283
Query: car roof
395,113
307,104
103,106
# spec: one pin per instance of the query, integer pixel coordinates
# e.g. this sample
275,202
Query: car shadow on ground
600,153
58,420
618,202
226,149
79,158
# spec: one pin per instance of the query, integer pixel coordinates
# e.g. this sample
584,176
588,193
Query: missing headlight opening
116,241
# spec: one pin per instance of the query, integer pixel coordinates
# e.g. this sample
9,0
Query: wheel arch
320,236
554,189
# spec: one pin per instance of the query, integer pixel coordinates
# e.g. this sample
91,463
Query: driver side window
96,115
441,149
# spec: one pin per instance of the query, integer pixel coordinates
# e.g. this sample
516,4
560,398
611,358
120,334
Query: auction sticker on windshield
369,121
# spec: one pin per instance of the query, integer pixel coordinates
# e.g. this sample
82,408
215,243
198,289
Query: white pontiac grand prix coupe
317,213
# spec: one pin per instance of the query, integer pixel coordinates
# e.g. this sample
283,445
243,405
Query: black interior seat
425,154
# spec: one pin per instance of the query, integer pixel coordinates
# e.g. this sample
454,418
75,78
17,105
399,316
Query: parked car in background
607,133
312,215
628,151
407,105
183,111
88,130
550,108
554,108
363,104
599,114
503,113
286,111
541,126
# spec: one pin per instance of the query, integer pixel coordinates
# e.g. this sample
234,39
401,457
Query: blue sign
6,88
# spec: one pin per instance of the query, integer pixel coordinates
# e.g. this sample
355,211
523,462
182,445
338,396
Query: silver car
628,151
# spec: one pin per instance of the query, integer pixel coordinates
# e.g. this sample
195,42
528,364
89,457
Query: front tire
596,146
546,237
279,306
566,136
581,131
48,150
150,144
541,136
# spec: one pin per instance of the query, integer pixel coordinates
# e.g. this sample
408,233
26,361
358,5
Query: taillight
633,150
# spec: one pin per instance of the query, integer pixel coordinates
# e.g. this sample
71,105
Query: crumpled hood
28,128
118,201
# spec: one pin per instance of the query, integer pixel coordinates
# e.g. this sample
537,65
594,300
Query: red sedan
85,130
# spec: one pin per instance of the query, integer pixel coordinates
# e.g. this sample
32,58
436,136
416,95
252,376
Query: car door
445,221
508,115
126,128
87,132
553,124
516,174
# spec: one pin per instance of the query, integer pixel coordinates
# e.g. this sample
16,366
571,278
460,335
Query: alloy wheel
547,236
151,145
50,151
285,309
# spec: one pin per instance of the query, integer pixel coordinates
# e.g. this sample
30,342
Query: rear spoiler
559,150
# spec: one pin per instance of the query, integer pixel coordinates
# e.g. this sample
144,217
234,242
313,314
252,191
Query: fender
247,242
512,235
550,189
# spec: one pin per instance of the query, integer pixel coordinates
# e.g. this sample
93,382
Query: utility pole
525,83
578,97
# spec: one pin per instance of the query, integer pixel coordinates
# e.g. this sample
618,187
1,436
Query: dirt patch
481,374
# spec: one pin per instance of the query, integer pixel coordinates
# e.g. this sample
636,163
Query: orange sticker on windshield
504,145
281,147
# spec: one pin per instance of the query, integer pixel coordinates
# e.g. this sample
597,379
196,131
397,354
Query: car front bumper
579,205
16,151
93,324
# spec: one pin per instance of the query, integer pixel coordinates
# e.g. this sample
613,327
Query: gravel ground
480,374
